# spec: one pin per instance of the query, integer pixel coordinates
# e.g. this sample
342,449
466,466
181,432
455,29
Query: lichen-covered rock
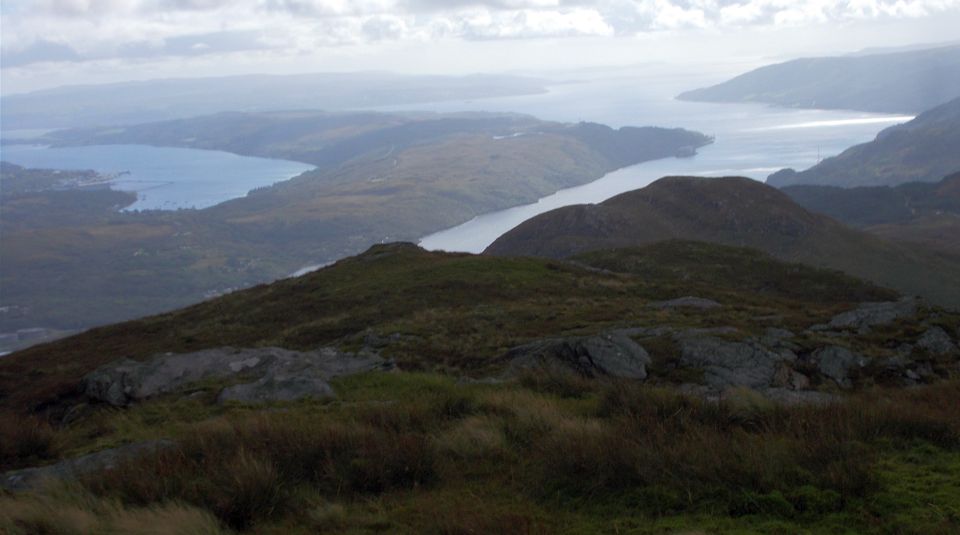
267,373
727,363
607,355
936,341
836,363
869,315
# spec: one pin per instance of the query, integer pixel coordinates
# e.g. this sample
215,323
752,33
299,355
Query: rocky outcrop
264,374
936,341
868,315
728,363
30,478
686,302
837,362
607,355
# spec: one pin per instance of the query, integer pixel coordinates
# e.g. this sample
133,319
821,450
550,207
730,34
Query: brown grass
25,441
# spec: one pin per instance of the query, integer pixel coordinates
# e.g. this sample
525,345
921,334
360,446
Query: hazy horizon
68,42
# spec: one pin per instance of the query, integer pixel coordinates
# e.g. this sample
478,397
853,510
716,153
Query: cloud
40,50
89,30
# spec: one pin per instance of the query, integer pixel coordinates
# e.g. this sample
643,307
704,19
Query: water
752,140
164,178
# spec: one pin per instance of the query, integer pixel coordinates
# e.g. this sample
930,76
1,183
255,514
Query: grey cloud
381,28
196,45
38,52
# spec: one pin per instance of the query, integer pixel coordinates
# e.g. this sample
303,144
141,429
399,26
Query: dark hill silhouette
734,211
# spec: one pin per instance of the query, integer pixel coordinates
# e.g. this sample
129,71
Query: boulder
267,374
727,363
836,362
31,478
607,355
868,315
686,302
773,336
936,341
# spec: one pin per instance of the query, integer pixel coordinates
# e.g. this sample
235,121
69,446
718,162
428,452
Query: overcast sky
55,42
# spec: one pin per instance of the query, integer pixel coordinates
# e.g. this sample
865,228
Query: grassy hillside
734,211
461,310
901,82
420,451
925,149
381,177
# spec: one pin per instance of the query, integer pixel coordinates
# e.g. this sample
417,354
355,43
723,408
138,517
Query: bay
164,178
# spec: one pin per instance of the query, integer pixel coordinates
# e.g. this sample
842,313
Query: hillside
135,102
922,150
923,212
902,82
734,211
379,177
772,398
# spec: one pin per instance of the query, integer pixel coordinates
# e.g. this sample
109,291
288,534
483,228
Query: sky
47,43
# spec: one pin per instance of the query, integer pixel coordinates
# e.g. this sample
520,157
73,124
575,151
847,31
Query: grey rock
612,354
936,341
869,315
274,388
686,302
727,363
774,336
836,362
798,397
271,373
31,478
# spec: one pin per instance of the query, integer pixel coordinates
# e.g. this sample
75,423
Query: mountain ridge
901,82
733,211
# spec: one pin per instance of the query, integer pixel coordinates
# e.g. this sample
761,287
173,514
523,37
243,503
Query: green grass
419,453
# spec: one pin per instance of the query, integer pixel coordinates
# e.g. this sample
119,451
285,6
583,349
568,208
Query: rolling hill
925,149
902,82
733,211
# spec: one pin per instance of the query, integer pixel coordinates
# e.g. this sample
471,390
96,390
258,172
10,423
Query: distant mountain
903,82
76,261
325,139
922,150
733,211
919,211
155,100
